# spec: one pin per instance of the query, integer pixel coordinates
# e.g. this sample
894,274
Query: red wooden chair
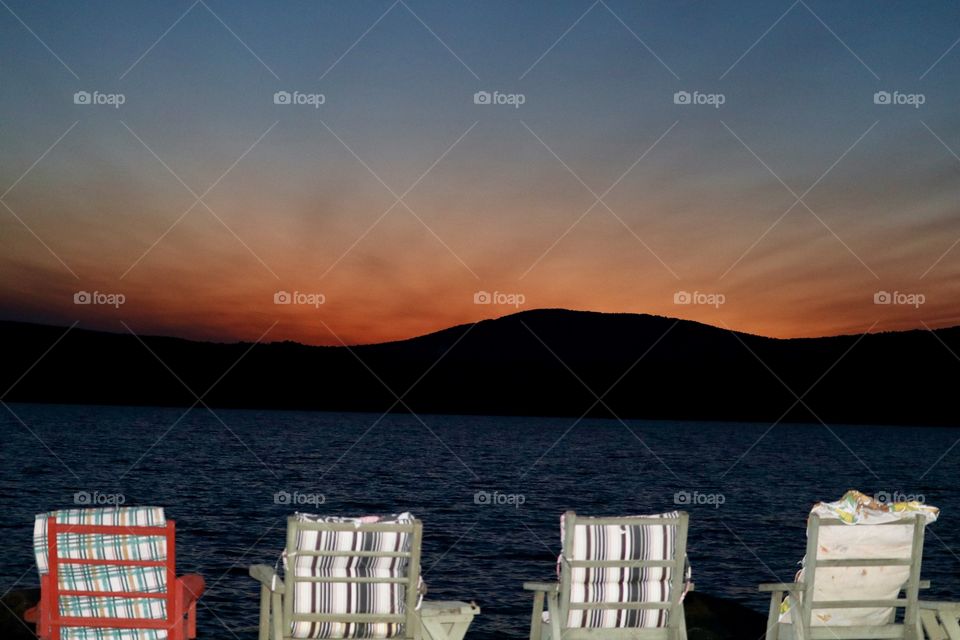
180,596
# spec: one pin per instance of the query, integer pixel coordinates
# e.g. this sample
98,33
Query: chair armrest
192,587
266,576
781,586
950,607
546,587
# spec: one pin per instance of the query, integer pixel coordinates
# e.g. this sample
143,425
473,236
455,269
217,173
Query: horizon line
872,329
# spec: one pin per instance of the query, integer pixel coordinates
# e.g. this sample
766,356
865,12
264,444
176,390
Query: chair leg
264,613
799,623
553,606
192,620
276,616
773,618
44,626
536,620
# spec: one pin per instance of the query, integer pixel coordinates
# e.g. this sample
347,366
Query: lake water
224,478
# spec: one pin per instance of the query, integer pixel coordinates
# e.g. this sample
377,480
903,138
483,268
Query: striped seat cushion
107,578
349,598
621,584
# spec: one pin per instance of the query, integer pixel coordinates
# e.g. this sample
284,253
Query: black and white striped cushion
621,584
346,598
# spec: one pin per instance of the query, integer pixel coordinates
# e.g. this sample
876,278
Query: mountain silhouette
541,362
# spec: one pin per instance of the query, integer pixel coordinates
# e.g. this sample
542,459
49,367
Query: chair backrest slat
620,605
350,553
621,563
678,576
293,528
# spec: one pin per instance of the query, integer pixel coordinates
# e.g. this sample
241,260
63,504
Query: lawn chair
110,574
860,556
619,578
344,578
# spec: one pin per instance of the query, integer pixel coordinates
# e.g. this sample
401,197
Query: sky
362,171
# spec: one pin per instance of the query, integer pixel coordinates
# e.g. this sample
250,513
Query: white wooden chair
851,583
620,578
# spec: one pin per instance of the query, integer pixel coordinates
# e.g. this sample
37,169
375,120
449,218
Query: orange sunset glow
784,211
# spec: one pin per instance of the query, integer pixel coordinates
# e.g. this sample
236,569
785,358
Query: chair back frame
674,606
51,622
910,603
410,618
